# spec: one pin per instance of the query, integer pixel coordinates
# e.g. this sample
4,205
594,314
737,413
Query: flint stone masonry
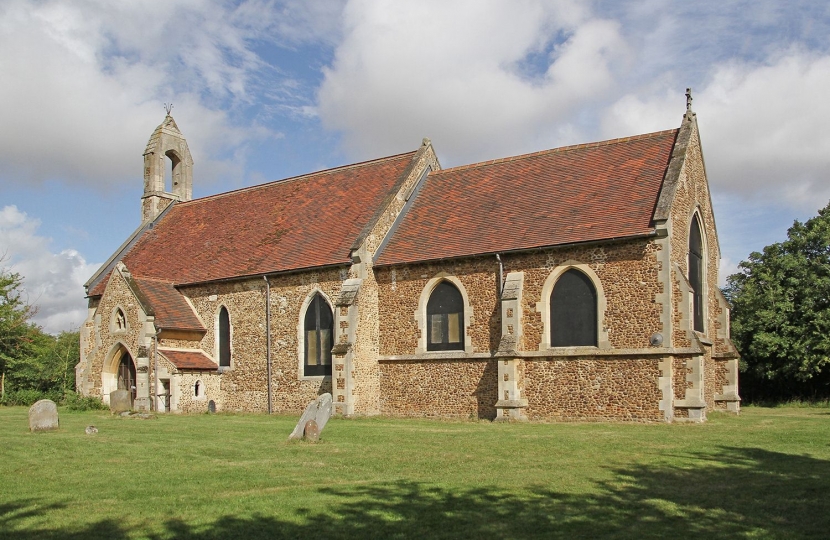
43,416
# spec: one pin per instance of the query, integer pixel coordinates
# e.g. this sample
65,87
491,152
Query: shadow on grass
735,493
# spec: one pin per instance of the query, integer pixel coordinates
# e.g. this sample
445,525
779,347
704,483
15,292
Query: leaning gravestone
318,410
43,416
120,401
323,411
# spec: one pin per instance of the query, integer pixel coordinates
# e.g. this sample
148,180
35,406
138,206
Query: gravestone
91,430
311,432
43,416
309,414
120,401
323,411
318,410
211,406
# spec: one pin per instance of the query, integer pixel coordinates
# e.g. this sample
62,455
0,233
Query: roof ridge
560,149
296,178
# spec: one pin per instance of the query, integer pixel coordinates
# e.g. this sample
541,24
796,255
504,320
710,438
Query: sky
267,89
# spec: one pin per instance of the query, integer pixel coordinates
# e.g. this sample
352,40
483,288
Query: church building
578,283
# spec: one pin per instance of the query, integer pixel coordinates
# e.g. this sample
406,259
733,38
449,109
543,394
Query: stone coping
565,352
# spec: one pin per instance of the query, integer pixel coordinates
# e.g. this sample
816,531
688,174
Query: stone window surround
543,306
301,336
114,317
705,283
216,336
199,390
421,315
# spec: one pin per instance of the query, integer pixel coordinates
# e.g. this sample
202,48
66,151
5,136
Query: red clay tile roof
189,359
171,309
573,194
301,222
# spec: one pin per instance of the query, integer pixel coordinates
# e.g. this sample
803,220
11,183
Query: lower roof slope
566,195
306,221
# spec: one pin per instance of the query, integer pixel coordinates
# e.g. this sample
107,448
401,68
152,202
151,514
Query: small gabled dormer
168,170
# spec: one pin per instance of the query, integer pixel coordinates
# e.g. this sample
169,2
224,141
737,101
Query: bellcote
168,170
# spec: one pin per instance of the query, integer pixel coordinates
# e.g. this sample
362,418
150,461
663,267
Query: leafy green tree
781,315
18,335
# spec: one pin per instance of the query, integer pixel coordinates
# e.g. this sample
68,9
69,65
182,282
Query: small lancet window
445,319
120,321
198,389
172,172
224,337
317,331
573,311
696,272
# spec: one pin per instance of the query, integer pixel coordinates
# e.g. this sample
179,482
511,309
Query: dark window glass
445,319
224,338
317,330
696,272
573,311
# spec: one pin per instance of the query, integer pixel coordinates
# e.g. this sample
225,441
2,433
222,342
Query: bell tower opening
168,170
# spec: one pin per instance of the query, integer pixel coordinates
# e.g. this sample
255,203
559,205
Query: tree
781,314
17,334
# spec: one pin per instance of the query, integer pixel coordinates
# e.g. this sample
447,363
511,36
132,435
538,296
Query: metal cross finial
688,99
168,107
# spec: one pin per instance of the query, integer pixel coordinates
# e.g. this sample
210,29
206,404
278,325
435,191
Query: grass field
765,474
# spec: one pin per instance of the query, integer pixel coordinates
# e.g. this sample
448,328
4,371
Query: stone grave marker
43,416
91,430
309,414
311,432
211,406
323,411
120,401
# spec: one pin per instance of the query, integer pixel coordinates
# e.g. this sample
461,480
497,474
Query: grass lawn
765,474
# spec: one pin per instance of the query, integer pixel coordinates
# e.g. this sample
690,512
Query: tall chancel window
317,332
224,333
696,272
445,319
573,311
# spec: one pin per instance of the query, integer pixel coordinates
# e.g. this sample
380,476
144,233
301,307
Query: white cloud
762,125
480,78
84,81
52,281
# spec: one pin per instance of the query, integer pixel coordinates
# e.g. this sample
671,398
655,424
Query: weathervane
168,107
689,99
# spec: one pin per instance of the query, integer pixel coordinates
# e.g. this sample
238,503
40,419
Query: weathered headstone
91,430
120,401
318,410
323,411
43,416
309,414
211,406
311,432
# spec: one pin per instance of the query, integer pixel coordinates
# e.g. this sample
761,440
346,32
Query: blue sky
264,90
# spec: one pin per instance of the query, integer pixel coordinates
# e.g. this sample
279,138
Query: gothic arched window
696,272
573,311
224,333
317,330
445,319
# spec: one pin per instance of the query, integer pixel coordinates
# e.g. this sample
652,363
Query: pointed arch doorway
119,374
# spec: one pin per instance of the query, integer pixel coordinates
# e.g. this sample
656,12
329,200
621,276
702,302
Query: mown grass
765,474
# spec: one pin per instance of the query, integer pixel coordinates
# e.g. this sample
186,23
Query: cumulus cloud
762,125
84,81
480,78
52,281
